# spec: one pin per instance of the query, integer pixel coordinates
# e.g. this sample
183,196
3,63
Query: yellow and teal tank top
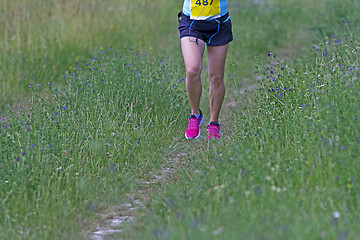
205,9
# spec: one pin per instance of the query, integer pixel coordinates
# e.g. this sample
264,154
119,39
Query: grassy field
40,40
104,96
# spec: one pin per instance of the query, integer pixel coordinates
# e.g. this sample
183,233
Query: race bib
203,9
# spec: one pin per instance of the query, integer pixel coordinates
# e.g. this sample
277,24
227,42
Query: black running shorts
216,32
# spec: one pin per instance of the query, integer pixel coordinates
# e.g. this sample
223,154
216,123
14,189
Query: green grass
71,154
286,164
39,40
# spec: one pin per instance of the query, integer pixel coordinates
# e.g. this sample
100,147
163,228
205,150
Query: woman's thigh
192,53
216,61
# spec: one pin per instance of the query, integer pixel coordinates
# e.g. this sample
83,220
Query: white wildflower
336,215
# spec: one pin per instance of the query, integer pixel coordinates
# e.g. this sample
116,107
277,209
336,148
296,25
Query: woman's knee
216,79
193,72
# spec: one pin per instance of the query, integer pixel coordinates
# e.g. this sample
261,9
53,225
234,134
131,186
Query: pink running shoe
193,129
214,130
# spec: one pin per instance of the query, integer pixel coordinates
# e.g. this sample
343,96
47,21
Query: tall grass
98,119
39,40
67,156
286,26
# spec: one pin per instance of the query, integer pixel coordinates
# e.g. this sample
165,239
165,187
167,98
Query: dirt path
126,213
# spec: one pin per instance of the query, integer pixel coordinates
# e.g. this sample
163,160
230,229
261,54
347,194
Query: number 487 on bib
202,9
204,2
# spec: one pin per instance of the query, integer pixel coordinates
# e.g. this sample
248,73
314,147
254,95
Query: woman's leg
216,59
193,54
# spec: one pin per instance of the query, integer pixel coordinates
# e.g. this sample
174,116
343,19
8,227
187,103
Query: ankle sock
214,123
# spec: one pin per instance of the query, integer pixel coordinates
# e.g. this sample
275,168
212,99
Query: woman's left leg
216,68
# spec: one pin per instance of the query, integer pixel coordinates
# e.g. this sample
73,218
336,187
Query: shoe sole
201,122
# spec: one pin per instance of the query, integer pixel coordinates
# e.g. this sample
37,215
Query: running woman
205,23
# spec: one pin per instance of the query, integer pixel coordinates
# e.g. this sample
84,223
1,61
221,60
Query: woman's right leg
193,54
